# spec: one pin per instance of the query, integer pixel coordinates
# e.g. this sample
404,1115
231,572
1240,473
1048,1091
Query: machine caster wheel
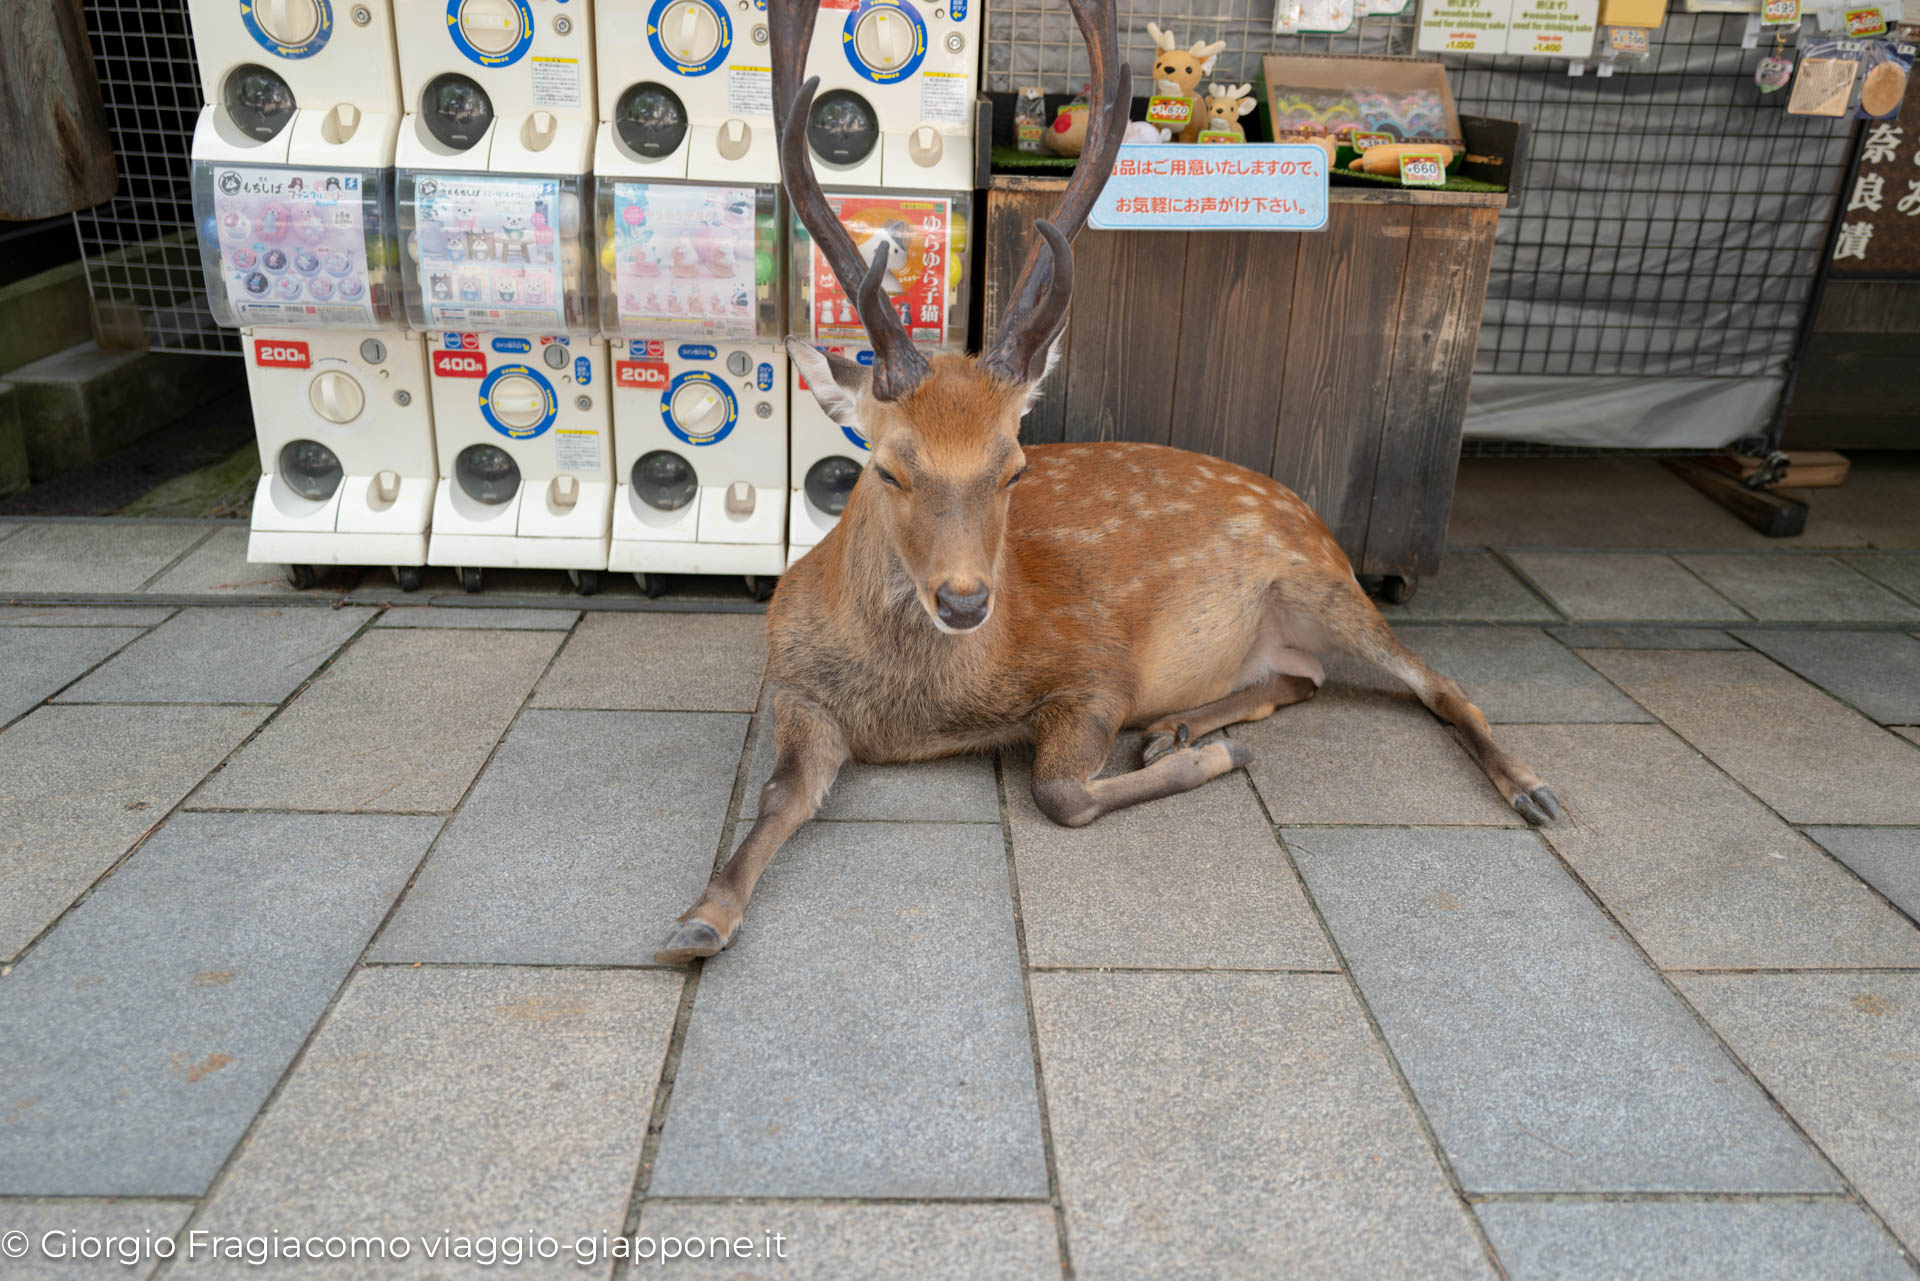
652,586
761,586
585,581
408,576
470,581
1397,589
301,577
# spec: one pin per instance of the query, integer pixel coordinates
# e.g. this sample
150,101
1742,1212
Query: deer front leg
809,749
1071,743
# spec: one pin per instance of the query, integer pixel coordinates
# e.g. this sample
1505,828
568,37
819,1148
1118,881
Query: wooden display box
1337,361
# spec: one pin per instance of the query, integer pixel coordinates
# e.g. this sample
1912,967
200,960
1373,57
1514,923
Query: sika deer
977,593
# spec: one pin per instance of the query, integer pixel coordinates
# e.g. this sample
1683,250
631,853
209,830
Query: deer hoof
1159,742
689,939
1539,807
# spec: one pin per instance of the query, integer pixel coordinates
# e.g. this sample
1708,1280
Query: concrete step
81,404
43,314
13,445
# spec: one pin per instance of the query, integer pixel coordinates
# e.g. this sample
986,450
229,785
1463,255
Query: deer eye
1014,479
886,477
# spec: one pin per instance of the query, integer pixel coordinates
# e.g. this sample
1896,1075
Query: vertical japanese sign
1880,214
914,232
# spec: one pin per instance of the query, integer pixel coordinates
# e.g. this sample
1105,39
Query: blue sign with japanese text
1280,186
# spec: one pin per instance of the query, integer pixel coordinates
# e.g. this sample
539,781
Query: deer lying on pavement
977,593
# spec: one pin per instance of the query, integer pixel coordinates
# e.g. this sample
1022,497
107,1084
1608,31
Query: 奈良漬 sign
1279,186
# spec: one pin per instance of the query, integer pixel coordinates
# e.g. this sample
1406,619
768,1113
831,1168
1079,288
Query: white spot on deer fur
1247,500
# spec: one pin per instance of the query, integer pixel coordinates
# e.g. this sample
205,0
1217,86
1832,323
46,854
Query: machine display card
914,230
489,256
684,259
293,246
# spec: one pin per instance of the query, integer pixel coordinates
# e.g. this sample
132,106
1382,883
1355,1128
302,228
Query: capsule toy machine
686,91
690,297
925,237
292,191
895,106
492,192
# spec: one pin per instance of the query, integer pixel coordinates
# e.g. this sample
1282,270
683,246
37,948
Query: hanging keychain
1775,71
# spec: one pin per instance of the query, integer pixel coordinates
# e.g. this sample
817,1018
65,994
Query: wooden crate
1336,361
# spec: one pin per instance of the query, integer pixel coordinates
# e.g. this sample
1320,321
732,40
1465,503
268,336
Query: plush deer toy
1177,73
1225,105
978,592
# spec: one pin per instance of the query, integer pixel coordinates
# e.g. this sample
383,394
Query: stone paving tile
1811,758
489,1101
1356,755
1702,875
1237,1126
585,835
536,620
78,557
1808,589
1592,502
1898,570
1643,638
954,789
219,567
1633,586
1473,584
866,1033
1887,858
1772,1240
223,654
1194,881
1547,1055
141,1036
1909,732
873,1242
90,1218
1877,672
660,663
1521,674
84,615
1838,1052
84,783
36,662
376,587
402,721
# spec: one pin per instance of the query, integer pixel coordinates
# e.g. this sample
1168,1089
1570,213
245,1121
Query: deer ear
1247,105
837,383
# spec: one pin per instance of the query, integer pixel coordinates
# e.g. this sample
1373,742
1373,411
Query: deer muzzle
961,606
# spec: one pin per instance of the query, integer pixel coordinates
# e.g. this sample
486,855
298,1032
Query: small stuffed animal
1225,105
1141,131
1177,73
1069,132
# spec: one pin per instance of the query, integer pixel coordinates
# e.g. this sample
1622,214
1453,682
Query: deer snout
961,606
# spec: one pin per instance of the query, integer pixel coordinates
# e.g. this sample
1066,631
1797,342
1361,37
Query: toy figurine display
1177,74
1225,105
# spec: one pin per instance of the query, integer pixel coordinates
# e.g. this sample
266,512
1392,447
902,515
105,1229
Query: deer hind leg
1256,702
1072,743
1354,625
809,749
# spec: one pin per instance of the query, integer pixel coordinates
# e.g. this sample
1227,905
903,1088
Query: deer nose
961,610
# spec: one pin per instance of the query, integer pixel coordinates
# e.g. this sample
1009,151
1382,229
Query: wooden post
58,155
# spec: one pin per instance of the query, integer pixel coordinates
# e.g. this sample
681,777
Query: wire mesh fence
143,268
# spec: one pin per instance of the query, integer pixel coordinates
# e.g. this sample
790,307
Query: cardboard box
1324,77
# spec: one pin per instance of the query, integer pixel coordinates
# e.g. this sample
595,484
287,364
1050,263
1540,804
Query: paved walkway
331,915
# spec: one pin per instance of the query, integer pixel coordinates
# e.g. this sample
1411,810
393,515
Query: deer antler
1161,39
1045,288
898,366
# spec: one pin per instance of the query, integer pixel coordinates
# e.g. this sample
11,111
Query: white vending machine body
526,457
691,298
693,97
895,106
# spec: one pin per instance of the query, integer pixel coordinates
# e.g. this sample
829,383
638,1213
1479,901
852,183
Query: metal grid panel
1674,216
139,247
1035,41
